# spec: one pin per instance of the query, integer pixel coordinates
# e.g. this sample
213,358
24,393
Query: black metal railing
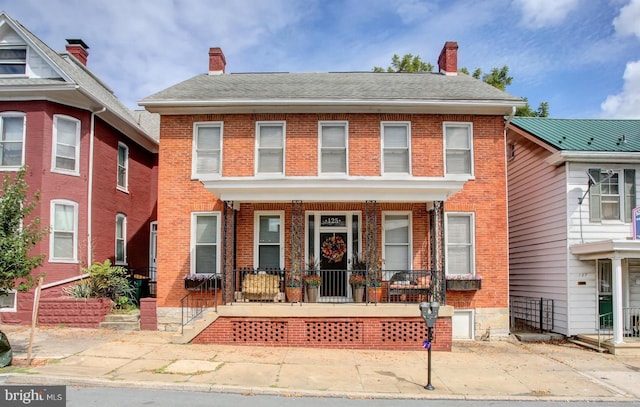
202,296
332,286
531,314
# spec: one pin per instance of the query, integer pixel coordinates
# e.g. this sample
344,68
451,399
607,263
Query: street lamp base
429,387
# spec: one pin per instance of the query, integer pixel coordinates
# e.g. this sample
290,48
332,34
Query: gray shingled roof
80,75
364,86
607,135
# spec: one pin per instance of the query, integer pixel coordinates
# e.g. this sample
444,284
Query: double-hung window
459,241
12,136
66,145
8,301
395,148
13,61
397,241
207,149
458,145
64,231
123,167
613,195
269,238
121,239
333,147
270,147
205,235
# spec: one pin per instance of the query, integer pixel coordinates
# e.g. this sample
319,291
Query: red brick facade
138,204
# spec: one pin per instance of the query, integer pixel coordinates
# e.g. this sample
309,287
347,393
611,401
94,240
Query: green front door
605,298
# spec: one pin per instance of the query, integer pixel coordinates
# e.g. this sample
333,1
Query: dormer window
13,61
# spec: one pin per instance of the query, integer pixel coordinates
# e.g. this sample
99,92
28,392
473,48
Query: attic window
13,61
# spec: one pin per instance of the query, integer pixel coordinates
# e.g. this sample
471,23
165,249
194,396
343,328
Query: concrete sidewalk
502,370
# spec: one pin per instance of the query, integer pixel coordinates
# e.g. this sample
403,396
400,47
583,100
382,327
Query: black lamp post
429,311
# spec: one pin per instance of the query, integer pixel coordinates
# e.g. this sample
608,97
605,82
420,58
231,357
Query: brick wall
344,333
148,314
80,313
485,196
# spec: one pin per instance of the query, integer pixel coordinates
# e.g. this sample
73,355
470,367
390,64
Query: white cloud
628,22
626,104
411,11
543,13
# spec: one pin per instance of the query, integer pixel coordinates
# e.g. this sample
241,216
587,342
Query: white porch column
618,324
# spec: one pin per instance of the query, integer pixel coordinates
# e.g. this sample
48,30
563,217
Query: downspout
506,185
90,187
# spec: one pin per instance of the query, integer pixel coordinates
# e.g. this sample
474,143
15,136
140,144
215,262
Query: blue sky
581,56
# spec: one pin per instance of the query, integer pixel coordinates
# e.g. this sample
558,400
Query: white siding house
572,189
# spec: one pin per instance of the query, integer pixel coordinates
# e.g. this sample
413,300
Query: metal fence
528,314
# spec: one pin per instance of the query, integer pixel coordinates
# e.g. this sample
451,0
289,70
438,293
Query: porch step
122,322
589,343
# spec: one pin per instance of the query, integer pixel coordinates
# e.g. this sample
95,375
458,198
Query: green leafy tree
408,63
19,233
497,77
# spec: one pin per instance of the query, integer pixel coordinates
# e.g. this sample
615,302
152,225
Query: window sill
66,261
62,172
121,189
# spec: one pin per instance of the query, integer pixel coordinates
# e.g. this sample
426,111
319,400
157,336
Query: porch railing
202,296
631,322
605,327
335,286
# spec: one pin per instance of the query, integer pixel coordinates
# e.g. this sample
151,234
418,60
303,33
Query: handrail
199,298
608,317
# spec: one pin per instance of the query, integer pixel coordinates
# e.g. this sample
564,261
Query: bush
105,281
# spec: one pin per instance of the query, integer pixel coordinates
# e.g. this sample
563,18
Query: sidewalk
500,370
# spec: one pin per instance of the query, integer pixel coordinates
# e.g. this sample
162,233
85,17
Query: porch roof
607,249
347,189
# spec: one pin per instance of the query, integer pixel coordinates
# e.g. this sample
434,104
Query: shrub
105,281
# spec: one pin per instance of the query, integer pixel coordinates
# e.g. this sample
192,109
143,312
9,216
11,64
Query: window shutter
629,194
594,196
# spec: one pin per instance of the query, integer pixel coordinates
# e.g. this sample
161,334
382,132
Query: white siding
538,228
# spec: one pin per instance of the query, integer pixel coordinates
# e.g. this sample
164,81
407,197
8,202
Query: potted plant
374,281
463,282
293,289
357,281
313,283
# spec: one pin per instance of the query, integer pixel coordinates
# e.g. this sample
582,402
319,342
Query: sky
580,56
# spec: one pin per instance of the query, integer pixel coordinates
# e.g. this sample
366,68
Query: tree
19,233
497,77
408,63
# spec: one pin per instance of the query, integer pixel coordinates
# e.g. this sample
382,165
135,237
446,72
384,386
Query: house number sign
333,221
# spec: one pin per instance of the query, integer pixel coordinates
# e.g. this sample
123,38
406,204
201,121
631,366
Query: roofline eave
614,157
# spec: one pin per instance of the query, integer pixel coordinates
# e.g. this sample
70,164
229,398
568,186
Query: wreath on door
333,249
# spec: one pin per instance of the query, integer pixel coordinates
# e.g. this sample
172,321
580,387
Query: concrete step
121,326
589,345
129,317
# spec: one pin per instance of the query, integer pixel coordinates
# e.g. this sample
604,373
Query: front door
605,297
332,239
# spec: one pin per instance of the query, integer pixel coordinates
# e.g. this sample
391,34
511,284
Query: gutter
90,186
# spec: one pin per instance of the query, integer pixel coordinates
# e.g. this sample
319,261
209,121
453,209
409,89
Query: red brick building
404,171
88,155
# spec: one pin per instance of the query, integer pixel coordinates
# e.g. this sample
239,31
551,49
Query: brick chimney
78,49
448,59
217,62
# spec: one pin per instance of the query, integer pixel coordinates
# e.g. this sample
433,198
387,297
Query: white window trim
24,138
409,214
124,238
346,143
472,225
14,308
256,235
259,124
123,188
406,124
469,125
27,70
54,146
55,202
192,250
194,155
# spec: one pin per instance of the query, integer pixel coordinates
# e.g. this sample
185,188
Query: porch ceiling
607,249
347,189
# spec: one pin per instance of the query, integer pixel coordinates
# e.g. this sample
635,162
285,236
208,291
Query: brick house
266,175
87,154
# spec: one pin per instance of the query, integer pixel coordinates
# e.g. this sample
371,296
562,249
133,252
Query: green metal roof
584,134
